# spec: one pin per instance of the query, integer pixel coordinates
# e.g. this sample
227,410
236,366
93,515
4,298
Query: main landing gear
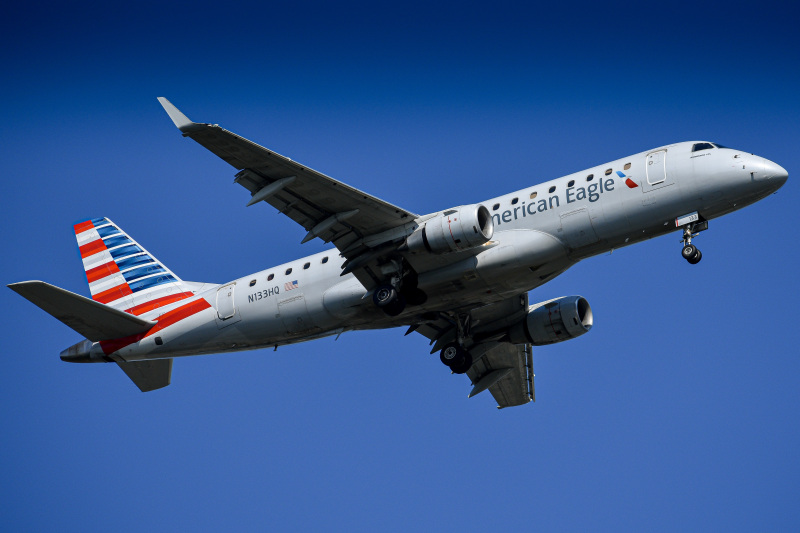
690,251
393,297
453,353
457,358
389,299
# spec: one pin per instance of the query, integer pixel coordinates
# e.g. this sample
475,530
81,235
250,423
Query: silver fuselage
539,232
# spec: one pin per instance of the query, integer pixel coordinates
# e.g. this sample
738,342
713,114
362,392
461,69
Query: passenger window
552,189
590,177
571,183
270,277
533,195
252,282
305,267
514,201
702,146
627,166
495,207
324,260
288,271
608,171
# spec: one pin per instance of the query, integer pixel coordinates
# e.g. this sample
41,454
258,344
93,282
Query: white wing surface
326,208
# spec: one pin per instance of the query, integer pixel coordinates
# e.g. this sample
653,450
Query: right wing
354,221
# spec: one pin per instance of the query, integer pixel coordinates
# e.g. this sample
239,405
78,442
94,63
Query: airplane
459,276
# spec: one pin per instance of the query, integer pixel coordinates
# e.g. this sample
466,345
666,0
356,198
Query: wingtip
180,120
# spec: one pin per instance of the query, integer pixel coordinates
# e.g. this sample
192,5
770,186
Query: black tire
462,365
384,295
696,258
689,252
450,354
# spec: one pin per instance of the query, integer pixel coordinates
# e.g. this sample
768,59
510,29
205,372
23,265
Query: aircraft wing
507,371
326,208
502,368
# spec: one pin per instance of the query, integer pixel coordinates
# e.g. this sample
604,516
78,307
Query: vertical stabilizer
121,273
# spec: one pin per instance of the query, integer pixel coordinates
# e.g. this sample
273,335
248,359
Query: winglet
181,121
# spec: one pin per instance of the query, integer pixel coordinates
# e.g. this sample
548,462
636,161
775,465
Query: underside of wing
506,370
328,209
502,368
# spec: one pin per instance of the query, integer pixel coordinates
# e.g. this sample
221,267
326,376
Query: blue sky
677,411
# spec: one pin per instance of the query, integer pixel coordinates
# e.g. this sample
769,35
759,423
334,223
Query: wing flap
509,367
93,320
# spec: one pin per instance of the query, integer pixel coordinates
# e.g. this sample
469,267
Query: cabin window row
306,266
552,189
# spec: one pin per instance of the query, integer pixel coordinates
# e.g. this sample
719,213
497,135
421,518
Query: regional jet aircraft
459,276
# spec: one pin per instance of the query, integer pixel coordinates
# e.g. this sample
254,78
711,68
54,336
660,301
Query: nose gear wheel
689,250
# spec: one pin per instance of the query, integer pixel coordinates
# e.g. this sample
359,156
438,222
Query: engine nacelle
454,230
553,321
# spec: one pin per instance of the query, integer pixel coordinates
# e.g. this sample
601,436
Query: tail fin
121,273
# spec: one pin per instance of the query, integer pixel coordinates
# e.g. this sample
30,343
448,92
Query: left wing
507,371
354,221
502,368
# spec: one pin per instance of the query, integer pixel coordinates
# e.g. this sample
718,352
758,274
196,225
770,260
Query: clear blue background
677,412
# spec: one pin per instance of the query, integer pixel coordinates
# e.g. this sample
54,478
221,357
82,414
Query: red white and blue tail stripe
121,273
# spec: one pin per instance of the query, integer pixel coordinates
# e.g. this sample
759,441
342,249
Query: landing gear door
227,313
656,170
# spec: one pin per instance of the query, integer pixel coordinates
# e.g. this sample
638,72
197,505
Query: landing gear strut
690,251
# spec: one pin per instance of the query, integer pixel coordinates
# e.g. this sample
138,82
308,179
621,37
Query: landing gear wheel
696,258
455,357
450,354
462,365
384,295
387,298
689,251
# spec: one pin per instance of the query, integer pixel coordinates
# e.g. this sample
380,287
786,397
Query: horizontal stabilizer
149,375
93,320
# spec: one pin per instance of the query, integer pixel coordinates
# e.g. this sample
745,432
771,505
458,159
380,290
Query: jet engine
454,230
553,321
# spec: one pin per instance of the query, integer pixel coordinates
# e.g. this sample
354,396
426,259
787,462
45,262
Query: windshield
702,146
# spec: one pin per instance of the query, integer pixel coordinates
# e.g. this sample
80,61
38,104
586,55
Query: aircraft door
656,170
226,308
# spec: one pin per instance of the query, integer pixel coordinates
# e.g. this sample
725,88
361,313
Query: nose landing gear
690,251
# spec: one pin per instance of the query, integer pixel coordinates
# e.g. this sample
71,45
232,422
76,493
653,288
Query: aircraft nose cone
775,173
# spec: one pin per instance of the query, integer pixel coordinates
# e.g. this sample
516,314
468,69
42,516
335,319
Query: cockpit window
702,146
